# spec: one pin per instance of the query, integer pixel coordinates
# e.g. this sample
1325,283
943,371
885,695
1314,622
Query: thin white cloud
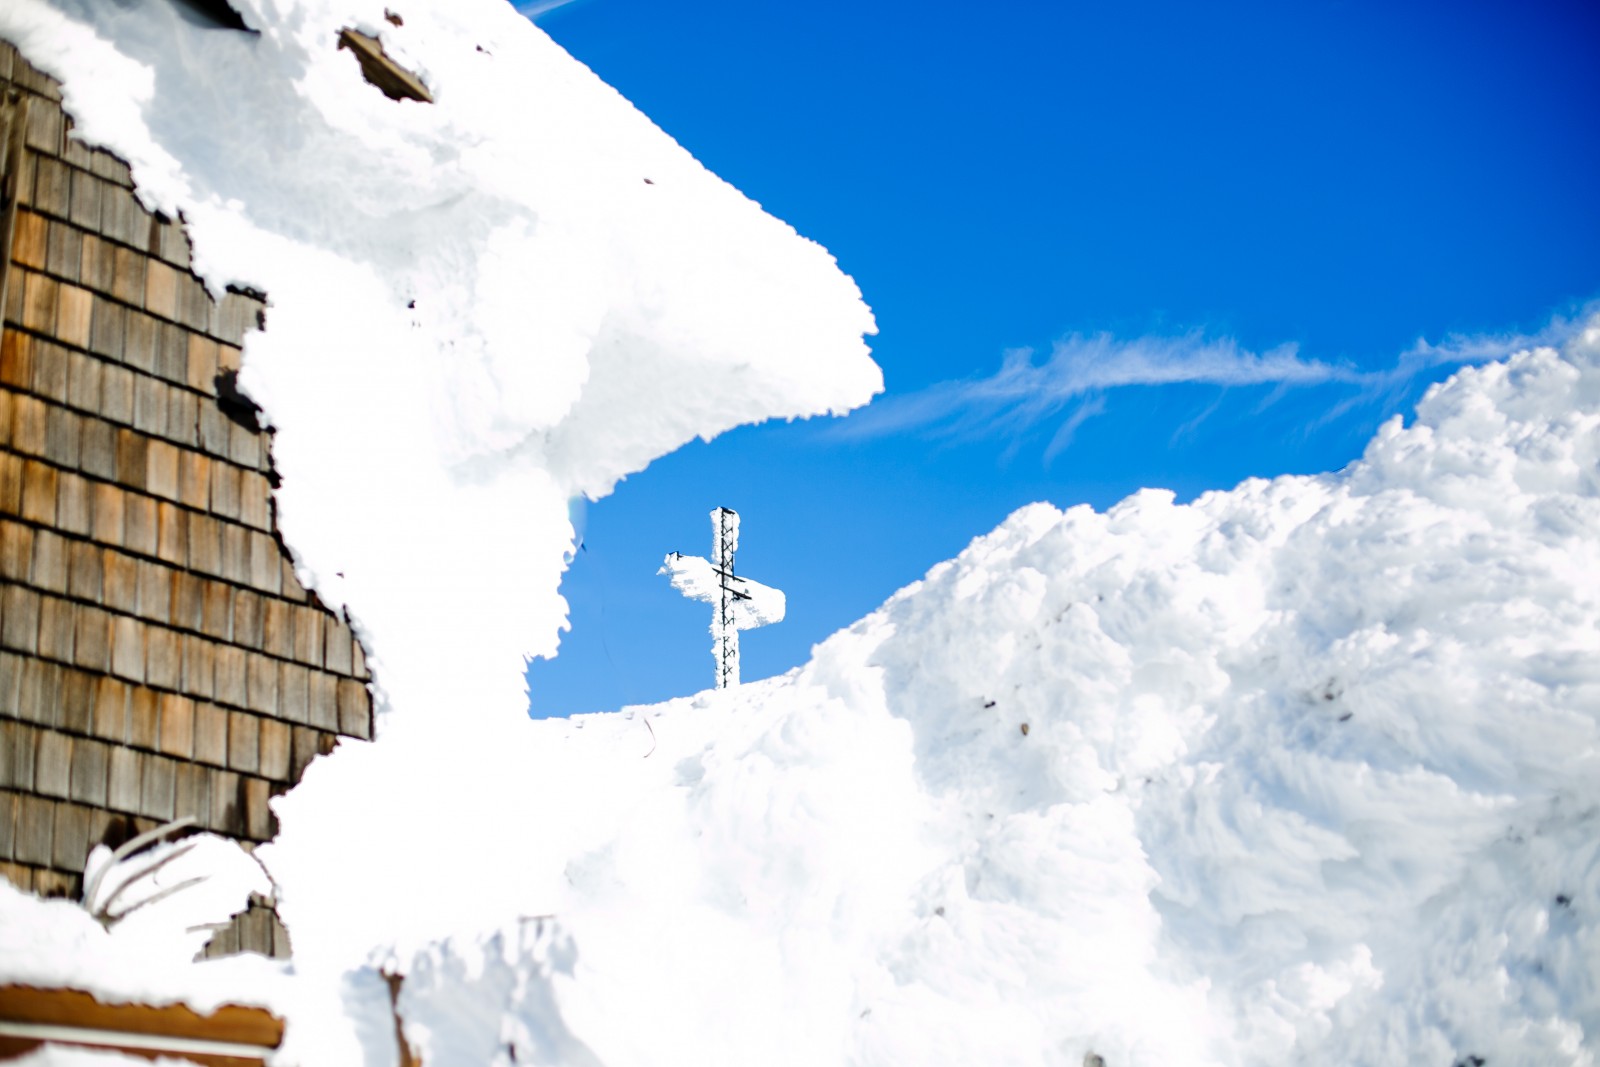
1073,381
532,9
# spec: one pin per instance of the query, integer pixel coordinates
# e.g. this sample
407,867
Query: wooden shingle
144,717
52,769
125,775
71,841
294,692
244,742
18,744
111,709
199,666
84,568
155,591
39,493
16,551
36,819
275,749
92,645
77,701
193,792
177,726
120,586
30,241
230,677
74,306
355,710
261,682
210,734
91,761
127,648
64,252
172,529
159,787
139,524
49,569
163,660
19,619
58,619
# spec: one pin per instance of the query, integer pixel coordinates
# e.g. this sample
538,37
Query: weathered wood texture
233,1034
158,656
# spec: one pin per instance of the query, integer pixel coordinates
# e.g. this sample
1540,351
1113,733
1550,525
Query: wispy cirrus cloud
1072,382
534,8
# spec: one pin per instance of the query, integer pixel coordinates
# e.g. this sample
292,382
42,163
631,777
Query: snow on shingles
480,307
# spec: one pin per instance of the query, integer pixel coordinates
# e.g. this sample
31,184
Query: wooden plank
248,611
210,734
336,647
138,523
84,374
16,551
28,419
52,179
36,819
205,545
393,80
85,208
62,432
127,648
160,289
188,599
230,680
172,525
355,709
124,778
193,796
45,123
308,622
70,846
194,474
244,742
58,619
231,1022
72,503
294,692
155,591
19,619
199,667
111,709
302,750
227,803
277,629
144,718
77,700
91,761
224,489
120,585
177,725
39,294
183,418
84,569
39,692
163,662
50,371
49,569
64,251
92,645
174,353
30,245
161,471
8,817
160,787
74,308
39,493
235,553
264,562
132,462
139,329
260,823
52,771
96,264
201,369
217,619
117,394
10,683
324,701
17,757
16,360
275,749
261,682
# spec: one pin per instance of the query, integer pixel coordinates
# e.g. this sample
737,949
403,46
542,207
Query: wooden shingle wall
158,657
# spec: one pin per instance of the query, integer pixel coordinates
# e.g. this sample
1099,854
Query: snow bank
481,307
1306,771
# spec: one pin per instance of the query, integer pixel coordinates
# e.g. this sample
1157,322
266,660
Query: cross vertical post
737,603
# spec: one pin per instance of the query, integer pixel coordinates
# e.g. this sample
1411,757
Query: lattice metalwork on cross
736,603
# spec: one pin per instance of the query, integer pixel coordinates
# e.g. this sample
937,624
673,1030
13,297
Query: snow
1305,771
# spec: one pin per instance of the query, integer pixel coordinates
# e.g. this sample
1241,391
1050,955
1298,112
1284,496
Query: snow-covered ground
1307,771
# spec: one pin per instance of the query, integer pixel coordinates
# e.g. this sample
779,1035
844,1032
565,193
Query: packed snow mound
1307,771
481,307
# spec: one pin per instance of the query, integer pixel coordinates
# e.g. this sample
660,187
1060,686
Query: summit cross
736,603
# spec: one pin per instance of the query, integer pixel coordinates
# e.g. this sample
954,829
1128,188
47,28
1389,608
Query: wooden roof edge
395,81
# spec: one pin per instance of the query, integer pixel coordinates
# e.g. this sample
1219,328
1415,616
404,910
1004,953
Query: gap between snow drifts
1311,773
479,306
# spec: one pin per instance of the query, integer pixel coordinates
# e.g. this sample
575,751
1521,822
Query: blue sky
1108,246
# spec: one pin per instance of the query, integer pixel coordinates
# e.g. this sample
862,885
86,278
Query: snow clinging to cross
736,603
